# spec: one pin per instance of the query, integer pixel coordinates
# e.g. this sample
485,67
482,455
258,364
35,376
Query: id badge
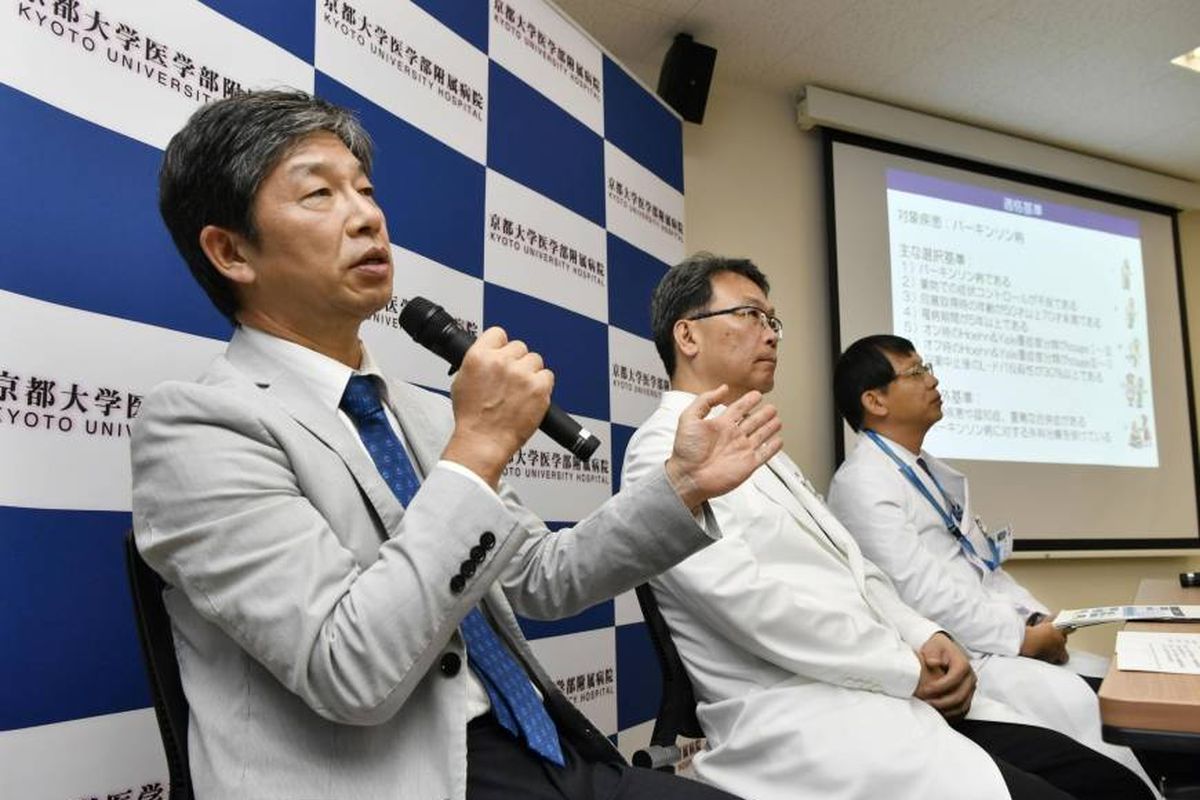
1003,539
1000,543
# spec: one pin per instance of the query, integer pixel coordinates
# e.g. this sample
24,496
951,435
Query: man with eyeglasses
911,514
814,679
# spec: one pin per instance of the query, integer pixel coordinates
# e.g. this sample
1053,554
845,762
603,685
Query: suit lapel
784,485
953,480
774,484
956,484
809,511
295,399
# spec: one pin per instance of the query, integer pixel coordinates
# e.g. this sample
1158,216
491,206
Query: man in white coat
814,679
911,514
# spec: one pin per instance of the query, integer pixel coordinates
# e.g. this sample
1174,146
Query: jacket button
450,665
467,568
478,553
457,584
488,540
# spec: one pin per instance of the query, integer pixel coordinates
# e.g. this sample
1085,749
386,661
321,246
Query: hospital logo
536,243
641,206
59,406
392,48
551,52
535,464
122,45
638,381
587,686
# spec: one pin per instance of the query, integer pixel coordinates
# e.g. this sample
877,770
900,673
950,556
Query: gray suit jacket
313,614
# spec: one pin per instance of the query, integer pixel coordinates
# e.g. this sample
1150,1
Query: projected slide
1034,317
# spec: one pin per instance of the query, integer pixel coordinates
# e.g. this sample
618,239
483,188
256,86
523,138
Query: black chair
162,670
677,710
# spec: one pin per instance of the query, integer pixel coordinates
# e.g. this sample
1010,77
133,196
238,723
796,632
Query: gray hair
213,167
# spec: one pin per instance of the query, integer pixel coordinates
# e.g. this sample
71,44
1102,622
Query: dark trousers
1038,764
499,767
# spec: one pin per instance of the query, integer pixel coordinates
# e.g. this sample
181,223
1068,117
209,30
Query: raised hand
500,394
947,681
712,456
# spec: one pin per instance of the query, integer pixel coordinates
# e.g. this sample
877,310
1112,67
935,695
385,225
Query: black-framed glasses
768,321
915,371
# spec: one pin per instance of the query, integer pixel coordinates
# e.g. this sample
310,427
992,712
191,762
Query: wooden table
1154,711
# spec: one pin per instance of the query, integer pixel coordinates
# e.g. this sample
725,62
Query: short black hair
687,287
213,167
865,366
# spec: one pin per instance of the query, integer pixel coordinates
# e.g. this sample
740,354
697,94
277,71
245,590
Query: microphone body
434,329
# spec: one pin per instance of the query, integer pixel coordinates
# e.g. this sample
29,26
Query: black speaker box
686,74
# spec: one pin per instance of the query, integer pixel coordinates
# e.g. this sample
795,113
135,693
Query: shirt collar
326,377
677,400
907,455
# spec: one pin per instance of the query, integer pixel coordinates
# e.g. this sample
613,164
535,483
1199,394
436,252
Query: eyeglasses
768,321
915,371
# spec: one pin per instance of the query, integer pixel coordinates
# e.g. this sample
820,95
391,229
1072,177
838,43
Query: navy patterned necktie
924,467
514,702
955,509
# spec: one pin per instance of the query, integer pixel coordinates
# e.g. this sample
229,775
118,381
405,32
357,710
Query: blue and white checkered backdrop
528,180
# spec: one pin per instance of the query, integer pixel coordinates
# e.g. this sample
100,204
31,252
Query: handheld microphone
434,329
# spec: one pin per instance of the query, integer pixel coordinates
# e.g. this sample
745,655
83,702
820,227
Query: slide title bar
914,183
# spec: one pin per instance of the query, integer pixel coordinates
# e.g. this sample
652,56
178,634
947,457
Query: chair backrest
677,710
162,670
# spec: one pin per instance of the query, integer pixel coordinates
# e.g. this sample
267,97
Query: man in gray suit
344,562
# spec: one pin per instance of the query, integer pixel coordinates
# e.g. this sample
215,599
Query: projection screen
1053,319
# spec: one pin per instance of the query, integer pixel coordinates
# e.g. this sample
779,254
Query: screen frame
832,136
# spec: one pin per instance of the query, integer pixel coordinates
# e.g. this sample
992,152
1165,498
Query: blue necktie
516,706
955,509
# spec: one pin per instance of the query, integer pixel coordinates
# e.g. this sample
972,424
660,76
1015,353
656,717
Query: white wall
755,188
753,185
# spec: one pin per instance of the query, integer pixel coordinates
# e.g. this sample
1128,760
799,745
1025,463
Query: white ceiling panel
1090,75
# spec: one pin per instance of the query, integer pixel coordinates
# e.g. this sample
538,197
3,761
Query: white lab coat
801,652
900,531
985,610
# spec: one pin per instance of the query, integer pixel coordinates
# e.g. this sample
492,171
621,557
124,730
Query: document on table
1082,617
1154,651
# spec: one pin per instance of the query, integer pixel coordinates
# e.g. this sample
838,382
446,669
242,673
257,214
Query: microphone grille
416,314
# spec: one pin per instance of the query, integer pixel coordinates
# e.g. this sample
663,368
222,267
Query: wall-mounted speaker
686,74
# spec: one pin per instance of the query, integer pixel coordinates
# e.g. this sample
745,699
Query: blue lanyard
951,518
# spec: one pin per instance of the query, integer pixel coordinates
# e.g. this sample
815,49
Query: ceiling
1092,76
